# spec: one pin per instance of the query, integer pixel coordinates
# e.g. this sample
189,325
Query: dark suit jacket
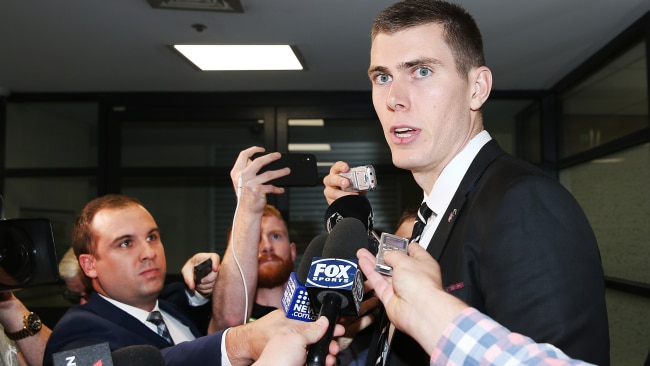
517,246
174,292
100,321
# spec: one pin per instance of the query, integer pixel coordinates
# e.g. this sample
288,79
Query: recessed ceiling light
241,57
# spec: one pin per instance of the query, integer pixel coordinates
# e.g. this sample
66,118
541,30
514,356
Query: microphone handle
318,351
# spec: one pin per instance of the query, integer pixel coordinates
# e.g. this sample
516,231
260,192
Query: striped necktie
156,318
421,221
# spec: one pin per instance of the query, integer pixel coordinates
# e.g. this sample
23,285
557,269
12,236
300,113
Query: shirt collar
447,183
450,177
132,310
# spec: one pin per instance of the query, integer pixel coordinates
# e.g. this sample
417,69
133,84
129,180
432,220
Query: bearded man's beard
274,275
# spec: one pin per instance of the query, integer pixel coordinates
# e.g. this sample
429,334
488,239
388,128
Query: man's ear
293,251
482,86
87,263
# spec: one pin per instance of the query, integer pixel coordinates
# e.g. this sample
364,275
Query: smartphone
304,172
201,270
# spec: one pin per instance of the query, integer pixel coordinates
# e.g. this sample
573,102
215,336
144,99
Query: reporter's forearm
32,348
239,346
439,314
230,297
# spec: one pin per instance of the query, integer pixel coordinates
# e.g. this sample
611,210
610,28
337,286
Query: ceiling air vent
233,6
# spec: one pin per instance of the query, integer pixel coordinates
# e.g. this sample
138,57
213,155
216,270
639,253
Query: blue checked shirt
473,338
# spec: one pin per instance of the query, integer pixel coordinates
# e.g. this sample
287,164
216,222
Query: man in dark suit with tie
510,241
119,248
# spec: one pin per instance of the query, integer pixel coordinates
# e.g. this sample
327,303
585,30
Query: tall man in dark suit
119,248
510,241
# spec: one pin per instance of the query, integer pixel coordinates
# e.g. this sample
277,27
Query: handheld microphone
295,300
143,354
96,354
100,354
356,206
335,284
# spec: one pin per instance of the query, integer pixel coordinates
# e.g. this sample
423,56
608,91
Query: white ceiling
123,45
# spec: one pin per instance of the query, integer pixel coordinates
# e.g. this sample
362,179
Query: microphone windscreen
347,237
143,354
356,206
314,249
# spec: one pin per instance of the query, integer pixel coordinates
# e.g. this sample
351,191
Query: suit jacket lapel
118,316
488,153
173,311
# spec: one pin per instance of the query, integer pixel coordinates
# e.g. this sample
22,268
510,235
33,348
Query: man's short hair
460,31
82,235
270,210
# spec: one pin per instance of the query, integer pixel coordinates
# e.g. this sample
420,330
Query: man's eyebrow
405,65
377,69
419,62
122,238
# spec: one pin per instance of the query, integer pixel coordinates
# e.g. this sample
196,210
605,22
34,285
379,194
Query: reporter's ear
87,264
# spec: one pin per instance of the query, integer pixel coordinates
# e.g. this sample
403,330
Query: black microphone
295,300
334,283
99,353
356,206
143,354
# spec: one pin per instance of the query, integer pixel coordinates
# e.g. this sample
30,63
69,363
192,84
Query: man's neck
270,296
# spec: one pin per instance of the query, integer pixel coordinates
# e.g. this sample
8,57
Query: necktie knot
421,221
156,318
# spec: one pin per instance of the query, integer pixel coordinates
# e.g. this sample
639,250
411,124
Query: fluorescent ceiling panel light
310,147
307,122
241,57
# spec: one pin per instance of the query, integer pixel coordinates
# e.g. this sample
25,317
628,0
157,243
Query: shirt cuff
195,298
225,361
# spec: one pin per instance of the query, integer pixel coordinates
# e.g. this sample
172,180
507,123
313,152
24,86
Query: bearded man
260,257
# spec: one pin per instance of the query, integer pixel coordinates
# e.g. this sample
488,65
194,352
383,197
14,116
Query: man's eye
383,78
422,72
125,243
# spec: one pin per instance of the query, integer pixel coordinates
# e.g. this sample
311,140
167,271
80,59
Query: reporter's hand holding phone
206,283
248,183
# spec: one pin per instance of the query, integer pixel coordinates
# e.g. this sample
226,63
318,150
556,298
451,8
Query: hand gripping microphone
334,283
295,300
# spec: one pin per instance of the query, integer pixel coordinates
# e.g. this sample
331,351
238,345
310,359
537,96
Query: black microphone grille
143,354
356,206
314,249
348,236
